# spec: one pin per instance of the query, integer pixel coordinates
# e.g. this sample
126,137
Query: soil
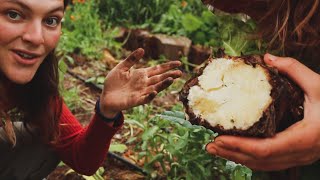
114,170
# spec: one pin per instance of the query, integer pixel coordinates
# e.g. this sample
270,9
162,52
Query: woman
36,129
292,26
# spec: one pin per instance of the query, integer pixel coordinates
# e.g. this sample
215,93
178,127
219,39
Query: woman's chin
21,79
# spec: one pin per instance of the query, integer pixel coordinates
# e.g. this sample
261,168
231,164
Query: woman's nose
34,33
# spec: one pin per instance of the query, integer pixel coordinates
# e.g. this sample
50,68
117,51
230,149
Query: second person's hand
297,145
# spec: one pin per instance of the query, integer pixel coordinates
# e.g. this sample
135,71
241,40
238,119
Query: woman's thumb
308,80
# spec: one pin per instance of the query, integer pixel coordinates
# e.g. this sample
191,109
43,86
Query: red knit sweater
84,149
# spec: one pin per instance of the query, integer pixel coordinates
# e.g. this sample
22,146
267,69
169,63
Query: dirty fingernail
219,143
211,149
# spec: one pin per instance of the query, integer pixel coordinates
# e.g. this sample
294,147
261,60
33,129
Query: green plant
178,148
186,64
110,42
129,13
225,31
136,119
142,13
235,36
83,32
119,148
170,22
70,96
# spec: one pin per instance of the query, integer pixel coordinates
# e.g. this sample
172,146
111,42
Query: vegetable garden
156,141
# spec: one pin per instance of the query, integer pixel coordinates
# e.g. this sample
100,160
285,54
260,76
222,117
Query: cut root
242,96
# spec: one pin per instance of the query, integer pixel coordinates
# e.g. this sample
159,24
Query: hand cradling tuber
242,96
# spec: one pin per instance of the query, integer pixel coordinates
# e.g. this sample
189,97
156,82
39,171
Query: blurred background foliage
90,26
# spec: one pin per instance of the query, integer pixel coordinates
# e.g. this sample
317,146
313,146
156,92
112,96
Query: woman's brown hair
42,104
40,99
293,26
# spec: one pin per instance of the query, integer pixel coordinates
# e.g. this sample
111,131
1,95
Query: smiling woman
37,130
28,35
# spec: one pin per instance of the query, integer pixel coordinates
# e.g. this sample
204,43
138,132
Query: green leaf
191,23
177,114
228,49
134,122
92,79
100,79
180,121
120,148
157,157
61,163
131,140
63,67
200,37
149,133
182,142
208,17
69,59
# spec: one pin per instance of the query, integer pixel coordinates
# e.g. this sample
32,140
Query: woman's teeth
26,56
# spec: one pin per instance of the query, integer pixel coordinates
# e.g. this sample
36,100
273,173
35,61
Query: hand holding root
297,145
126,87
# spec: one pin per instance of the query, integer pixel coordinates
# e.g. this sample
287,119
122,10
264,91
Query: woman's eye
14,15
52,21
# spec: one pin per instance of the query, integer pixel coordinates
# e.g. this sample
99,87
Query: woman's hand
126,87
297,145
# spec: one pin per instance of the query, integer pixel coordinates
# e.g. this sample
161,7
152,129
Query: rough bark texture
285,109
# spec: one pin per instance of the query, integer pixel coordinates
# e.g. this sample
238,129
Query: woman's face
29,31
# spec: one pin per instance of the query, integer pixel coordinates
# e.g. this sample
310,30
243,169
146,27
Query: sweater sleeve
84,148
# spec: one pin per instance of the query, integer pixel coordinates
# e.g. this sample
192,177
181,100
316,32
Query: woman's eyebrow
18,2
26,7
59,8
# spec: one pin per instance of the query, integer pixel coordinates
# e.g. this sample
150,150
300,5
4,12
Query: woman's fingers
308,80
133,58
267,163
287,148
158,78
146,98
150,93
158,87
235,156
289,141
159,69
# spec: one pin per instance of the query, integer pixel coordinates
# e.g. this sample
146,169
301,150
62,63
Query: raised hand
297,145
126,87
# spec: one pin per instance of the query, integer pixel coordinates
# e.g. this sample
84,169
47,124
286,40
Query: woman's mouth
25,57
